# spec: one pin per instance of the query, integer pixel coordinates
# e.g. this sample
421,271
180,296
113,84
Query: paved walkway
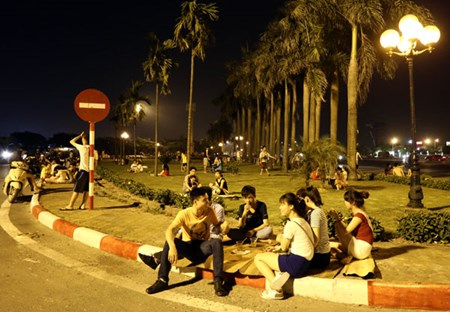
409,275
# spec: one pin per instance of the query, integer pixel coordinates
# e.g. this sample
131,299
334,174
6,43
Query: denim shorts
295,265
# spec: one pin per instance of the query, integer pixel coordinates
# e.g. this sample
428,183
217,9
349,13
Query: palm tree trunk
312,118
190,125
287,121
294,116
318,102
272,124
306,96
257,126
156,128
243,127
249,139
334,104
278,134
352,114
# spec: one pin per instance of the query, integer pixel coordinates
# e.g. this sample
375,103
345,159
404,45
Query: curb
339,290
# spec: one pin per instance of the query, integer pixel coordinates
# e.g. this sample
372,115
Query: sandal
66,208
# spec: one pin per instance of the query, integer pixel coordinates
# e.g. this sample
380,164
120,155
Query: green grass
387,201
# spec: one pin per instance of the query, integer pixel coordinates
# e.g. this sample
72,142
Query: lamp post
394,141
124,137
138,109
413,33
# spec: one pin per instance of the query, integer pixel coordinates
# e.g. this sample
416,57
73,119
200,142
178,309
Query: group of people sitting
56,172
137,166
396,169
303,243
191,181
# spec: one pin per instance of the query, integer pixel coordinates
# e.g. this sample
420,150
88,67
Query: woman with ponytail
356,238
297,239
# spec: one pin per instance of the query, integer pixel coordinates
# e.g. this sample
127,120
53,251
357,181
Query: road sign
92,105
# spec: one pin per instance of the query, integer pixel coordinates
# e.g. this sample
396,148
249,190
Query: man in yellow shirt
195,243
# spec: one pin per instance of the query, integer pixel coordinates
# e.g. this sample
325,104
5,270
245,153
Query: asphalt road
432,168
42,270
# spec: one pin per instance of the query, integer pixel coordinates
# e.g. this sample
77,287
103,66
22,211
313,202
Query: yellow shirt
193,227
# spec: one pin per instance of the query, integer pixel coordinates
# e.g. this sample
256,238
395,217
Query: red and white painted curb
341,290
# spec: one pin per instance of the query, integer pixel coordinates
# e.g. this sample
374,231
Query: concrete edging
340,290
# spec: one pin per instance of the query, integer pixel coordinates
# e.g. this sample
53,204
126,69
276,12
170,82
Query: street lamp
407,45
124,137
138,109
394,141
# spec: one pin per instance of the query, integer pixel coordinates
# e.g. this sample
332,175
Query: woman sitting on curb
298,238
356,238
319,224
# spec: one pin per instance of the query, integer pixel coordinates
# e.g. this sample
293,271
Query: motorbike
15,180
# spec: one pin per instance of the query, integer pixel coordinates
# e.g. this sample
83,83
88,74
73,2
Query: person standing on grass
356,238
82,183
264,160
297,238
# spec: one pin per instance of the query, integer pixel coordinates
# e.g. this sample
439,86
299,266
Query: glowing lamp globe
389,39
410,27
430,35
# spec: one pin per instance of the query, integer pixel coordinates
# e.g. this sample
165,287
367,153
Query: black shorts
82,182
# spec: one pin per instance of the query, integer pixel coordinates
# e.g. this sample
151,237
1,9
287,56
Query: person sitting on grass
195,243
189,182
220,186
340,178
319,224
253,218
165,170
298,238
356,238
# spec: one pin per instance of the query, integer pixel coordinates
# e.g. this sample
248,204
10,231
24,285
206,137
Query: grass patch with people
387,201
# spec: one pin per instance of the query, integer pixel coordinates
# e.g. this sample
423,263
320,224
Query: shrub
425,180
162,196
425,227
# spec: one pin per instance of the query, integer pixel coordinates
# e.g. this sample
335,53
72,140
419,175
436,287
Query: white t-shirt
318,219
84,156
301,239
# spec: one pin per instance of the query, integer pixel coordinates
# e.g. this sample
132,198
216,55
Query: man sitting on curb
194,243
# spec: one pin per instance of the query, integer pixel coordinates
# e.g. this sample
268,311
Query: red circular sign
92,105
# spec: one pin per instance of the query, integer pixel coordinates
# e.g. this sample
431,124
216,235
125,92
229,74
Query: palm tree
192,33
157,68
322,154
125,113
367,20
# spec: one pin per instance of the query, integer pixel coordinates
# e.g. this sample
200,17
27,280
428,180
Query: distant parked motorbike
16,180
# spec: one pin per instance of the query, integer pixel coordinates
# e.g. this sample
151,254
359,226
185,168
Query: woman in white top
297,238
319,224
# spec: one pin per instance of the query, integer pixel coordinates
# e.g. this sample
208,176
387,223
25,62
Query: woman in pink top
356,238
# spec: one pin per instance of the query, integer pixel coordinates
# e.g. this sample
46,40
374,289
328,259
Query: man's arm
75,139
170,238
256,229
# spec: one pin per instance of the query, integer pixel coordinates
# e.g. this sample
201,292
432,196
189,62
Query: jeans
196,251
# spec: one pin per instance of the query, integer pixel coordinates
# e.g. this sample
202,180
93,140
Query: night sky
52,50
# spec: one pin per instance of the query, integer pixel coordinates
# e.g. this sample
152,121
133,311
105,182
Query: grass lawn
387,201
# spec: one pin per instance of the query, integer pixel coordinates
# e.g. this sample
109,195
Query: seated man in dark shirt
253,218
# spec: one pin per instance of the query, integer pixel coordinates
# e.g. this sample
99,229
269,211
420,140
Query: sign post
91,105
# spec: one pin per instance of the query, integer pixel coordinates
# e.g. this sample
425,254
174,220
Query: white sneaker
272,294
280,279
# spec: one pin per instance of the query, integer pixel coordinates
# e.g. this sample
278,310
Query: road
432,168
42,270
